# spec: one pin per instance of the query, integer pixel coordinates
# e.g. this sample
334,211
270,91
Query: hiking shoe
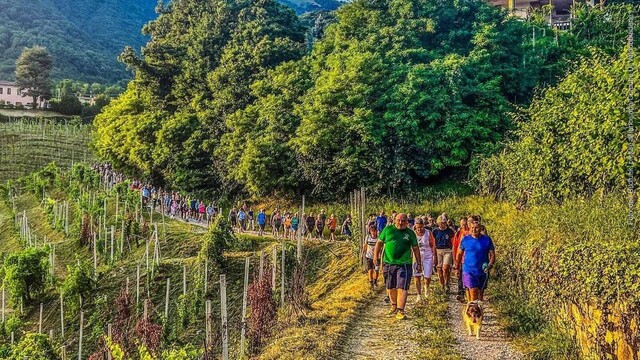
392,312
400,315
387,300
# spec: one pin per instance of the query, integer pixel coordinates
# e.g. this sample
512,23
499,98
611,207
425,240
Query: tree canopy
390,95
33,73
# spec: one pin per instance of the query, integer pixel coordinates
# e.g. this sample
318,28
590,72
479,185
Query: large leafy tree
33,73
195,71
573,138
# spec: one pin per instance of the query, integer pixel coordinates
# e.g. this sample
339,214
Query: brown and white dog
472,317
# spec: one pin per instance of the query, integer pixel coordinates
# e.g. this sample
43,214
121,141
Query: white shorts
427,269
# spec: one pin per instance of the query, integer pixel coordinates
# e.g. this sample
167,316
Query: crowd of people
404,247
171,203
288,224
407,247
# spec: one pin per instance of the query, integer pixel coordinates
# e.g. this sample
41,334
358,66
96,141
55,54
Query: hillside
85,37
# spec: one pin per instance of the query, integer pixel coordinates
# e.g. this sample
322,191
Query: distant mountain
85,37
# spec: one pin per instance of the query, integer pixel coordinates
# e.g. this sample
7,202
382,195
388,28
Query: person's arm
432,243
376,253
416,254
458,261
492,259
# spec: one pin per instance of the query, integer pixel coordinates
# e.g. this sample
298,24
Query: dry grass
336,297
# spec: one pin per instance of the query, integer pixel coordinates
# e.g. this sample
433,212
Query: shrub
34,347
25,274
79,282
216,241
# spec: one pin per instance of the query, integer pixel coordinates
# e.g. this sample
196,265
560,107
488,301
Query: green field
28,145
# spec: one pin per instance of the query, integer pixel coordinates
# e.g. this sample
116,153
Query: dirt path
494,341
375,336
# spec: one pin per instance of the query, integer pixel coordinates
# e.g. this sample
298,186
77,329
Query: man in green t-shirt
398,242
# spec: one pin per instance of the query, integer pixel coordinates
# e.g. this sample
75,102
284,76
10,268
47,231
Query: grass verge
435,336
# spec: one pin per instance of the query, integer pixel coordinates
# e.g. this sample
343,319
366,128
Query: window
19,92
8,91
18,104
1,90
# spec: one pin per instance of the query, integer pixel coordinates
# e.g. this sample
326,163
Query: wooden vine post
244,306
223,314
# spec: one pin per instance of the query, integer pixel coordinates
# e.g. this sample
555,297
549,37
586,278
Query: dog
472,316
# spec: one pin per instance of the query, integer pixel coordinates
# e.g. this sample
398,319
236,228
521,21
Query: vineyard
27,145
95,256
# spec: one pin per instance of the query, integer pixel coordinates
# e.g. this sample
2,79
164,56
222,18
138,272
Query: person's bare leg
440,276
480,294
419,285
473,294
402,298
446,269
393,297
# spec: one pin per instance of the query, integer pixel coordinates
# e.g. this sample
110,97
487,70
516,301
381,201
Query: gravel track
494,341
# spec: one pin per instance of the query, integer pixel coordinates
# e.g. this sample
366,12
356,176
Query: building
561,8
11,96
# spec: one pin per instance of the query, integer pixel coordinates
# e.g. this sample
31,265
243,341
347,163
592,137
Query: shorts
320,230
471,281
261,226
370,264
398,276
427,269
332,230
233,221
445,257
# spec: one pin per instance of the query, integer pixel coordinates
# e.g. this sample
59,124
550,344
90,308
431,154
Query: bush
216,241
67,105
79,282
34,347
25,274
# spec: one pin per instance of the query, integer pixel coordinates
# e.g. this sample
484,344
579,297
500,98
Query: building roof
8,83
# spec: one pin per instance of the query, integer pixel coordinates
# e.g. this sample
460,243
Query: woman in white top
427,245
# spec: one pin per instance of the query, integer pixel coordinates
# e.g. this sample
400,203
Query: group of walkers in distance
289,224
407,247
171,203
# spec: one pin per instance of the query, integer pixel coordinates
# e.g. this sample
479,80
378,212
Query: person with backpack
444,242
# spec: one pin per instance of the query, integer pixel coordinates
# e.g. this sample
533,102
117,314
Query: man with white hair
444,238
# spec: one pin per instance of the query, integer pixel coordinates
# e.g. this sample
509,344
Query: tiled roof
7,83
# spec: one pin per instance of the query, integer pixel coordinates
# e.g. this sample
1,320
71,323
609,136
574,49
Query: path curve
494,340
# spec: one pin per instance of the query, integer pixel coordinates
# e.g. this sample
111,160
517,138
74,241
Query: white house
10,94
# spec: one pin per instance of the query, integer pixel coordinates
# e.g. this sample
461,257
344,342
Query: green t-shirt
397,245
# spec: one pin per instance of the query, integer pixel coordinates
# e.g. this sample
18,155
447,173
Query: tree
33,72
25,273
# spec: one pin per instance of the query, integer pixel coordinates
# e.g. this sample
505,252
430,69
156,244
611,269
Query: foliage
25,274
34,346
33,73
67,105
572,140
79,283
216,241
263,312
149,333
207,115
84,37
123,322
12,324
